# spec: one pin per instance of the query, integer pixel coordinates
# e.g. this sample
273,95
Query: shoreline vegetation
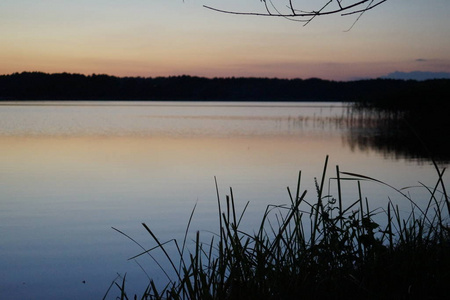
386,93
312,249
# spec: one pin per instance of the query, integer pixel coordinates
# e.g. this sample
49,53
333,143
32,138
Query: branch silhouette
290,11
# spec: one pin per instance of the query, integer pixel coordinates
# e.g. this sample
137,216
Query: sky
152,38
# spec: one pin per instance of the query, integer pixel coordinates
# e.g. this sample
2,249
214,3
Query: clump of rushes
318,250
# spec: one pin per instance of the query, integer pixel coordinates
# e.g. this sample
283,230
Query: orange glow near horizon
164,39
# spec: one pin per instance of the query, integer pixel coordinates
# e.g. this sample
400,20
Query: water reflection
174,119
399,135
394,135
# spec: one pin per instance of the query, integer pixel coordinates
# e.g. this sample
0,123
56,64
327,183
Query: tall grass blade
163,249
185,238
110,286
319,204
145,252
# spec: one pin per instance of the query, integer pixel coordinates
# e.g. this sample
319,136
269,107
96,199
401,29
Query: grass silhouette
314,250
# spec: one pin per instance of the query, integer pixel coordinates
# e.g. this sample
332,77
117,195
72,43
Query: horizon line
390,75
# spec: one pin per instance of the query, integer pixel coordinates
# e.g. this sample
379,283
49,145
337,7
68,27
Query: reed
315,250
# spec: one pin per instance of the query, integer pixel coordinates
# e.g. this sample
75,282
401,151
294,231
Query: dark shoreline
64,86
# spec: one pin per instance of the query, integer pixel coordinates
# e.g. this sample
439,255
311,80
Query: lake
70,171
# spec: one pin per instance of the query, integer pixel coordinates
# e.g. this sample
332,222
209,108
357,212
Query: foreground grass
318,250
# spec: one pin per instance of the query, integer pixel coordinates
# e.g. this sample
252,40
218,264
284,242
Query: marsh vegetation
313,247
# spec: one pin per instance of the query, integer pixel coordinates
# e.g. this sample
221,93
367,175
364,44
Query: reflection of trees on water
399,134
396,134
337,122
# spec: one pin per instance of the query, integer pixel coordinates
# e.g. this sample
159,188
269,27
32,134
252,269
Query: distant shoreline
31,86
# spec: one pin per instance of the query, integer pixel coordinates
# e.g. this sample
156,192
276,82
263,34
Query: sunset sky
170,37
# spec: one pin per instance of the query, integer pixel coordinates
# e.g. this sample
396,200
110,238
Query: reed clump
319,250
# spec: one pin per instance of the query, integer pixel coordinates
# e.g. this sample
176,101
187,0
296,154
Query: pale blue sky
169,37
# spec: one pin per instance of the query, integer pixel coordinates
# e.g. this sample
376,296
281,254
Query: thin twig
294,13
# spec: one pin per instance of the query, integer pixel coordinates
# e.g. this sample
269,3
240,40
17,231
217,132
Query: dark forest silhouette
65,86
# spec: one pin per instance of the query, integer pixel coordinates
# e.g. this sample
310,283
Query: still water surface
69,171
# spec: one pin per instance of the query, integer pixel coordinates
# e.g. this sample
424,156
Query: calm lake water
69,171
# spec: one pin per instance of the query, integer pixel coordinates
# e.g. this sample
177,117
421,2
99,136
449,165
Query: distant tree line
65,86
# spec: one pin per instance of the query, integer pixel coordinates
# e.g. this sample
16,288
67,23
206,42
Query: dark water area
413,134
410,121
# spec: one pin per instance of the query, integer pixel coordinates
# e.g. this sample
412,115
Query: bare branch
360,15
319,12
291,6
331,7
267,8
365,9
279,13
